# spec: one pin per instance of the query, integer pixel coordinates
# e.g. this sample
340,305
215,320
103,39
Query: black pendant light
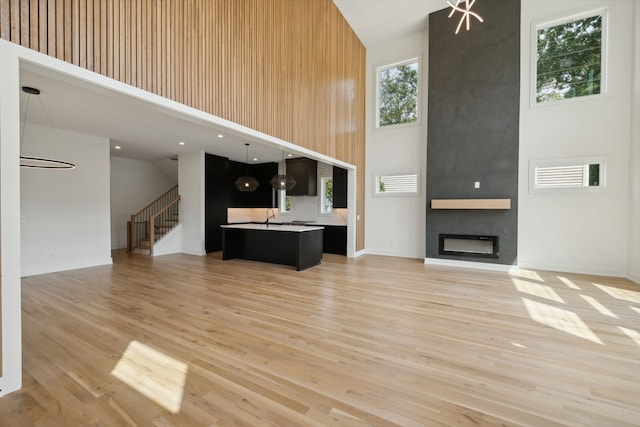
283,181
246,182
40,162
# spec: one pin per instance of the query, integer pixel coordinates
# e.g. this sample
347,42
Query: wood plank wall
293,69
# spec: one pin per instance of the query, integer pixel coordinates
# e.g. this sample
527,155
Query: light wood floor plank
373,341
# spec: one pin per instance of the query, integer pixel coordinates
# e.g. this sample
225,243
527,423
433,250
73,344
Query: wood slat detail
5,20
471,204
24,23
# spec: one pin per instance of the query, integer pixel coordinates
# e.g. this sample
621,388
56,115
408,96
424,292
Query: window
326,195
285,206
567,174
397,94
569,58
394,185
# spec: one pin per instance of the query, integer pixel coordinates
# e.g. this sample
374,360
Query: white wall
11,310
191,181
634,199
134,184
65,221
586,231
396,225
171,243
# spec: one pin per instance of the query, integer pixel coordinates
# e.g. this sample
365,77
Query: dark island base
301,249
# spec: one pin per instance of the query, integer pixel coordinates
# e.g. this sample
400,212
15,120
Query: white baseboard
634,277
392,254
9,385
35,270
469,264
360,253
197,252
580,269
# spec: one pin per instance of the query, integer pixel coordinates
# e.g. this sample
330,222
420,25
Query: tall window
397,94
569,61
326,195
285,202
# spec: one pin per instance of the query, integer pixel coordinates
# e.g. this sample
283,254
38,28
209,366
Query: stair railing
140,228
163,221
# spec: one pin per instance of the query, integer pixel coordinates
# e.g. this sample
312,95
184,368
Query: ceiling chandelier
464,7
32,162
283,181
246,182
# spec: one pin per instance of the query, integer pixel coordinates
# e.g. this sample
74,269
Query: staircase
153,222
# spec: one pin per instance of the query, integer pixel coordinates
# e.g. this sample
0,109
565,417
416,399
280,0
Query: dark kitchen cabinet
305,172
334,239
215,200
263,197
339,187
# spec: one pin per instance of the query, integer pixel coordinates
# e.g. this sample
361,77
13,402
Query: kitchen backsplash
302,209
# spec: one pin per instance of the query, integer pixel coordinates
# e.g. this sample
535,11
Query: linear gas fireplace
469,245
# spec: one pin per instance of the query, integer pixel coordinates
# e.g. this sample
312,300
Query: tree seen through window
398,94
569,59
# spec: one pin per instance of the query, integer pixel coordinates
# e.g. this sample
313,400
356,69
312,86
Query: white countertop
274,227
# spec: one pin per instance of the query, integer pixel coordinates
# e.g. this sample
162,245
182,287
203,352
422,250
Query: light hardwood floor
182,340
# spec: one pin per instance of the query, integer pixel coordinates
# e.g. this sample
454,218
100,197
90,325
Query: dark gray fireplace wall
474,103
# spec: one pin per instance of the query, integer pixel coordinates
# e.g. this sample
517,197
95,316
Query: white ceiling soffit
376,21
150,132
144,131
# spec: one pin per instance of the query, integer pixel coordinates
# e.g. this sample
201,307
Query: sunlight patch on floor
569,283
601,308
623,294
558,318
631,334
537,290
154,374
527,274
636,309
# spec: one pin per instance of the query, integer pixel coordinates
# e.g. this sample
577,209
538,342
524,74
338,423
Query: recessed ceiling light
220,135
289,155
117,147
181,143
255,159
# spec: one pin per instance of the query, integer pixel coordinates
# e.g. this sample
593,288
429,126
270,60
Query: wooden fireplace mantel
470,203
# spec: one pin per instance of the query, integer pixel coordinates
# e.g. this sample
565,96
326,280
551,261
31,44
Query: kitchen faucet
272,216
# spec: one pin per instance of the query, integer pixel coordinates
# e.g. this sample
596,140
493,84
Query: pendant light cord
24,122
40,162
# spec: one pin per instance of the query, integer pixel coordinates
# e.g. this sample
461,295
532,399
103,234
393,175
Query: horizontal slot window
399,184
554,175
